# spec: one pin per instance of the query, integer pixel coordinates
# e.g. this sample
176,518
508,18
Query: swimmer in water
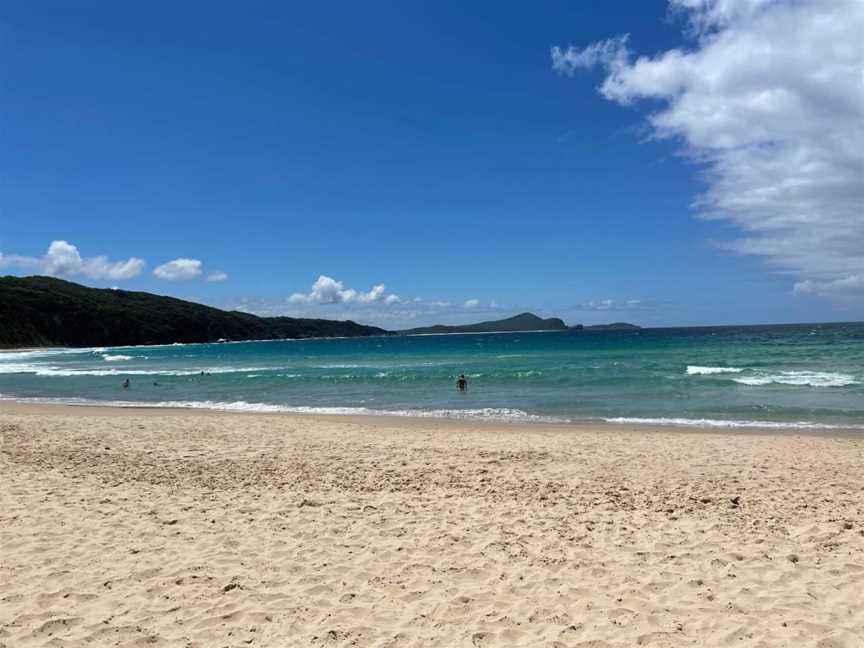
462,383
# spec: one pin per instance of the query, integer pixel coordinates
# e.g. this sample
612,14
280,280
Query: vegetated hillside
43,311
521,322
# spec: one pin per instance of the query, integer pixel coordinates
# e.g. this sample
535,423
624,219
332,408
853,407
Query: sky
664,163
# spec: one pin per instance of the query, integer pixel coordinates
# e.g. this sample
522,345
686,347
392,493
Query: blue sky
443,151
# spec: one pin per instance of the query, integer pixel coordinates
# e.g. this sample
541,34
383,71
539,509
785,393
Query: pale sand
127,528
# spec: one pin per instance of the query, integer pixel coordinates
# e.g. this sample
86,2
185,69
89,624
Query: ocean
790,376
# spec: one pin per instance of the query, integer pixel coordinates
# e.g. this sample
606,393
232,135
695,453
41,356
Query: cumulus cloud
64,260
845,288
327,290
767,97
179,270
217,275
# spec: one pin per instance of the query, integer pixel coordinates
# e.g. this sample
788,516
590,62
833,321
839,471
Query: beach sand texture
133,528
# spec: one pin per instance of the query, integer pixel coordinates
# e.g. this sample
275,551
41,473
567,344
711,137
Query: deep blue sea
795,376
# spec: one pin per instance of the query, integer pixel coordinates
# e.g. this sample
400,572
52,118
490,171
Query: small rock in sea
793,558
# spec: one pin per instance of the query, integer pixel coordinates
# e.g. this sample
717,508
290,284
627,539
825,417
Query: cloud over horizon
64,260
327,290
767,98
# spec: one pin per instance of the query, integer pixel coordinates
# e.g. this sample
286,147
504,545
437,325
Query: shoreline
400,420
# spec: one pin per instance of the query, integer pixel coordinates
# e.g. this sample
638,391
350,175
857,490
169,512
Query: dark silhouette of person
126,384
462,383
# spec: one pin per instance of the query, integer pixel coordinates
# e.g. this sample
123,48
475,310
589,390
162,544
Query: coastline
166,527
399,421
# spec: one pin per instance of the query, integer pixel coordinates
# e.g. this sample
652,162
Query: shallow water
794,376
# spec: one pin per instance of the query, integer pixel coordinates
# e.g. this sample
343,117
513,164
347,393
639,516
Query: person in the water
126,384
462,383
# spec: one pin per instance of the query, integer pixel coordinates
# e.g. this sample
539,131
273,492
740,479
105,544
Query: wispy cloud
767,98
628,305
216,276
64,260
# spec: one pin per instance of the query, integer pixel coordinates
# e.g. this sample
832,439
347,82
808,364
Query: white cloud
327,290
845,288
611,52
613,305
472,303
179,270
389,311
63,260
217,275
769,99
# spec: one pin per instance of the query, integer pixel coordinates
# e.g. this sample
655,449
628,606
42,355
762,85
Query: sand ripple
197,530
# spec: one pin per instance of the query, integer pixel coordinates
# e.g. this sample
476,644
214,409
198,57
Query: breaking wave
694,370
799,378
498,414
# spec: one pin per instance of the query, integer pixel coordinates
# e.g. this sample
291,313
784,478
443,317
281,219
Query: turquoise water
785,376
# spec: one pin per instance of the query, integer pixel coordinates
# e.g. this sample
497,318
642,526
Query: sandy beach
167,528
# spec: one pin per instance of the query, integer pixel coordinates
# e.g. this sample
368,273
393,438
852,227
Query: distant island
521,322
43,311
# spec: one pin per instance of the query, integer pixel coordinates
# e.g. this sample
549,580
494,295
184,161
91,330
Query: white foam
695,370
799,378
484,414
34,354
722,423
45,370
116,358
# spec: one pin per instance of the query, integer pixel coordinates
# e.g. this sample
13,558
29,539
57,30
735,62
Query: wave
34,354
44,370
722,423
695,370
494,414
498,414
383,365
116,358
799,378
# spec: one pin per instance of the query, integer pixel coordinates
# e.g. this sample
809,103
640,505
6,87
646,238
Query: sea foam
482,414
722,423
799,378
695,370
